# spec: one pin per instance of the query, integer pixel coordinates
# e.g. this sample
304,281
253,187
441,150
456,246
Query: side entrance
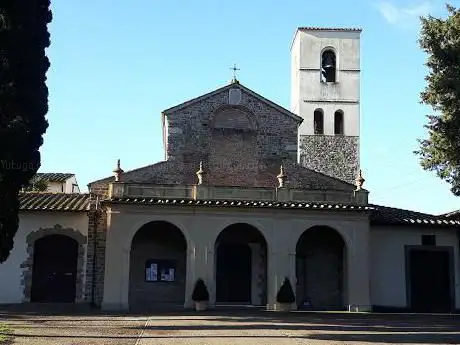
54,269
430,279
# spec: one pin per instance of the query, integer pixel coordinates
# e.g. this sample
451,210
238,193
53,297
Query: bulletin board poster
151,272
160,270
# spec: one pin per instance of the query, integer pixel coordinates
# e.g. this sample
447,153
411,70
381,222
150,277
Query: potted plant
200,295
285,296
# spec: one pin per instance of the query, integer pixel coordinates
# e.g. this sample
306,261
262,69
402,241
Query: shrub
285,293
200,291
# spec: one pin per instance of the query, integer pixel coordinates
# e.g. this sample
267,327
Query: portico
276,229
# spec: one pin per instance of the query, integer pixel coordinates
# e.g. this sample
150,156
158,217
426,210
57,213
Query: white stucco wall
11,290
388,271
307,91
201,227
56,187
69,186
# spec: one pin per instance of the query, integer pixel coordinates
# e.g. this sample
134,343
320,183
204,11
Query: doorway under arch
321,269
54,272
158,260
241,266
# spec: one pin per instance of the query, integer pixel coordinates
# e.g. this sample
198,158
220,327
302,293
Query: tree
36,185
440,152
23,104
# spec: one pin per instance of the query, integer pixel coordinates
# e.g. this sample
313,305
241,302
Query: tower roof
315,28
323,29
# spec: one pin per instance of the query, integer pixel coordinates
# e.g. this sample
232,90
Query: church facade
249,194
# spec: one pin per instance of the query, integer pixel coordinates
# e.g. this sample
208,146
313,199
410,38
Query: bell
328,63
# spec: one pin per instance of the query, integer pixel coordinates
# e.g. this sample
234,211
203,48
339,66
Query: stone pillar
358,272
256,278
211,268
281,262
200,264
190,277
116,277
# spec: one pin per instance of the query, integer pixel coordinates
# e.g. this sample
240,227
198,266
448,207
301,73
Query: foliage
36,185
23,104
440,152
5,334
285,293
200,292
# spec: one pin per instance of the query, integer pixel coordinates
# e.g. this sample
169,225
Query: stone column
358,272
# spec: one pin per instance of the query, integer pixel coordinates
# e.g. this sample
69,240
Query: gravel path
231,328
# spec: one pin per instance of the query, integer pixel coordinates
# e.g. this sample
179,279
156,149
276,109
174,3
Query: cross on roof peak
234,69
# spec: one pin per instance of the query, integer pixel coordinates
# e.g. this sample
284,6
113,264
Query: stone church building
249,193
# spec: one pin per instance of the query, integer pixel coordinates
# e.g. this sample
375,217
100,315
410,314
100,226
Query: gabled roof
43,201
54,177
229,86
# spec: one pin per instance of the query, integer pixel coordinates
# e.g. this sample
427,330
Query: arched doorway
157,275
54,269
241,266
321,269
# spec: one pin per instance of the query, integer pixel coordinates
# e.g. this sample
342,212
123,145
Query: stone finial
359,180
200,173
118,172
281,177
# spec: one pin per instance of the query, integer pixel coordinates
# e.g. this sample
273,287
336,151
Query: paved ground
222,328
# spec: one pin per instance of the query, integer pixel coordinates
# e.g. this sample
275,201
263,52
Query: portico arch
158,262
321,270
241,265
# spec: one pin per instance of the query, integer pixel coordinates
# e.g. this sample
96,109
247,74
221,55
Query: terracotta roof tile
315,28
379,215
383,215
38,201
238,203
54,177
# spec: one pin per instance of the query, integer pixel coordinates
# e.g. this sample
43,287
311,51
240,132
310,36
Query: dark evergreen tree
200,292
440,152
23,104
285,293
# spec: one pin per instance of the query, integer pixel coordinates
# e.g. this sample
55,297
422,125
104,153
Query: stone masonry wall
233,140
95,267
242,144
336,156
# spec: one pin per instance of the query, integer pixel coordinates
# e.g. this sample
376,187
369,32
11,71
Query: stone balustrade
196,192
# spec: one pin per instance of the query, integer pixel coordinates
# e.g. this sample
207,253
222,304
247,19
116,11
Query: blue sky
115,65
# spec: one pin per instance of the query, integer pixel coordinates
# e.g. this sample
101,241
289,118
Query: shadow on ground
89,323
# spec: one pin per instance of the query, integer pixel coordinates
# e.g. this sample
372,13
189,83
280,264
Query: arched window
328,67
318,121
338,122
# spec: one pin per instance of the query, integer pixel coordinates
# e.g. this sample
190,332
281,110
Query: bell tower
325,92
